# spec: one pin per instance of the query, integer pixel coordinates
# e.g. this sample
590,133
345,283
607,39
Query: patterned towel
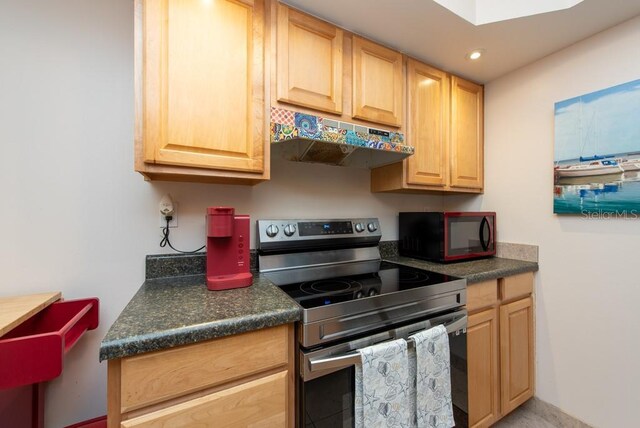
383,387
434,408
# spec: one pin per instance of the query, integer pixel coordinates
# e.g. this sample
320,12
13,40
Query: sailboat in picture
592,165
596,167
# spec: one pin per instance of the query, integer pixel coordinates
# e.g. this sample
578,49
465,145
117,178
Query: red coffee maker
227,249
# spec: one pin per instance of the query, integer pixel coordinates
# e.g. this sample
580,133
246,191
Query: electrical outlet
174,220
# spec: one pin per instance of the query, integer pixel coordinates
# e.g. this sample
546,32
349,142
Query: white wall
588,288
76,217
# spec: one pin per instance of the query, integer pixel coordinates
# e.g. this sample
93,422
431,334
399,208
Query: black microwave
447,236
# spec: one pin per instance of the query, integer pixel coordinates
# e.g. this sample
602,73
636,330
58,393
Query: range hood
302,137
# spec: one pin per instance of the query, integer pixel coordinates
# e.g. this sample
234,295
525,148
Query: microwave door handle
491,237
352,358
485,244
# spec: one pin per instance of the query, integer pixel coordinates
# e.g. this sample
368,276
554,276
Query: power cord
165,238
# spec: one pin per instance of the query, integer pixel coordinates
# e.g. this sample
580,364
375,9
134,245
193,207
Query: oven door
326,376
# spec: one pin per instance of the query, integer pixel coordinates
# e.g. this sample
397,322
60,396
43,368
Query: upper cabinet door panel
204,83
428,92
377,83
309,61
466,134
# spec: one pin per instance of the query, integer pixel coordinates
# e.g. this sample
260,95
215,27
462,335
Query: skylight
480,12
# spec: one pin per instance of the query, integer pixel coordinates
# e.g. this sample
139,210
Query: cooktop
389,278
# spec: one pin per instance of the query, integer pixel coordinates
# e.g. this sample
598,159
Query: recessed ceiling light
475,54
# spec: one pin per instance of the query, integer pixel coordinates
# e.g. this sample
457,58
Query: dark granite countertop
171,311
168,312
473,271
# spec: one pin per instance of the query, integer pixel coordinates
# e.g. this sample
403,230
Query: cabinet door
309,70
516,353
482,368
428,92
377,83
259,403
467,155
203,84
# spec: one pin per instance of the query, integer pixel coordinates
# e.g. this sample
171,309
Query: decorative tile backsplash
288,125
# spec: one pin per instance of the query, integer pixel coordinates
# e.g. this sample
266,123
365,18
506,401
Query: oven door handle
353,358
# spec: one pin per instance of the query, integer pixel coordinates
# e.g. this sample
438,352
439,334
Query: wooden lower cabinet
259,403
234,381
482,360
500,347
516,353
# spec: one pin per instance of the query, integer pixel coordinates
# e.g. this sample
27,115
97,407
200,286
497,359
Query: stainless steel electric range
352,299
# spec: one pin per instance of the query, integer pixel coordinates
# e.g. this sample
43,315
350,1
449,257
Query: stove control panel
294,230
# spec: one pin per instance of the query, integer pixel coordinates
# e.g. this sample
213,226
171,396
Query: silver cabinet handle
352,358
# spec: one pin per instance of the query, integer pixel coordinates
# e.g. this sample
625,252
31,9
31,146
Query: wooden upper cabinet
309,61
428,93
467,156
202,81
378,94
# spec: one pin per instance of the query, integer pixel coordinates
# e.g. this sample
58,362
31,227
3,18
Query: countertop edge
189,335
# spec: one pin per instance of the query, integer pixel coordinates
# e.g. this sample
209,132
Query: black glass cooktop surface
389,278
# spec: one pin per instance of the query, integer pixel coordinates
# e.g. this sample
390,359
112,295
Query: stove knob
272,230
359,295
359,227
372,227
290,229
372,292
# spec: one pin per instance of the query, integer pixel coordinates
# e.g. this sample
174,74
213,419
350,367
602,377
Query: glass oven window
328,401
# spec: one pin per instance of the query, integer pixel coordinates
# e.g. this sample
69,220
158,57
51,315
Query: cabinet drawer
516,286
259,403
482,295
158,376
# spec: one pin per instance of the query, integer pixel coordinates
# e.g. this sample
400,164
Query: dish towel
383,396
434,408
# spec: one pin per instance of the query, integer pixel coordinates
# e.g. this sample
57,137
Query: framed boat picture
596,169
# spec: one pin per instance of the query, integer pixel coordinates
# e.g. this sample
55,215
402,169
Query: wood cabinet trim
113,393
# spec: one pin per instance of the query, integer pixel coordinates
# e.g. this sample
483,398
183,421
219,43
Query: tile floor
524,418
536,413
